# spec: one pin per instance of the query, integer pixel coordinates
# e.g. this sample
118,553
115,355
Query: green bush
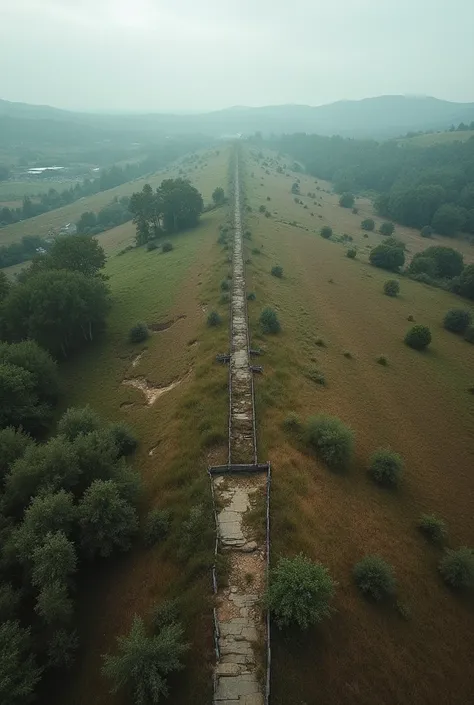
426,231
418,337
326,232
351,253
387,229
382,360
457,320
386,468
151,245
156,526
387,256
292,423
247,235
374,577
469,334
432,527
277,271
331,439
251,296
166,247
269,321
164,613
268,214
391,287
299,592
347,200
368,224
225,285
138,333
457,567
423,265
214,319
122,436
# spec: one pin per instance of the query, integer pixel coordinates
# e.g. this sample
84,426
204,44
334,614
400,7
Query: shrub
351,253
256,251
374,577
410,318
151,245
382,360
122,436
326,232
391,287
299,592
457,567
387,229
457,320
331,439
225,298
316,376
386,256
355,211
347,354
368,224
292,423
423,265
247,235
268,214
166,247
164,613
252,296
347,200
426,231
156,527
268,198
320,343
262,209
269,321
277,271
386,467
466,282
214,319
469,334
432,527
138,333
418,337
225,285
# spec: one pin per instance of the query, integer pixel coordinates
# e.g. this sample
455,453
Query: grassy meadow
182,432
336,322
435,138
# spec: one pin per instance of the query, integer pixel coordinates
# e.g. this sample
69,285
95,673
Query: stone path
240,671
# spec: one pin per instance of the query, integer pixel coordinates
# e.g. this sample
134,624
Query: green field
13,192
434,138
336,322
182,432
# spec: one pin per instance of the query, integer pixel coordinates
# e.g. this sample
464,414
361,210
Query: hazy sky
209,54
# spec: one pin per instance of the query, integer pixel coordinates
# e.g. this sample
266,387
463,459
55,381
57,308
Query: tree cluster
174,206
63,503
114,214
22,251
417,186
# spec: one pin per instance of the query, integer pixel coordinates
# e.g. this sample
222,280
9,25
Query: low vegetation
386,468
457,320
269,321
299,592
418,337
331,440
391,287
457,567
277,271
139,333
433,527
374,577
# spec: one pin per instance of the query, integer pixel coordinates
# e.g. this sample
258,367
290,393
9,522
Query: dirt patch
160,327
150,392
154,448
137,359
127,405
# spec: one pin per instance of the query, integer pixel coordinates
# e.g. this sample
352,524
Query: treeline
108,179
426,186
21,251
113,214
64,502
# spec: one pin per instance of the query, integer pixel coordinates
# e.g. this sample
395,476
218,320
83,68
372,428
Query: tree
347,200
156,526
423,265
295,188
448,261
391,287
299,592
387,256
331,439
13,444
269,321
466,282
387,228
106,520
138,333
457,320
144,662
87,221
19,673
181,204
53,604
31,357
326,232
214,319
386,467
4,286
374,577
457,567
368,224
54,560
78,420
4,172
218,196
123,437
418,337
61,648
20,404
77,253
448,219
426,231
351,253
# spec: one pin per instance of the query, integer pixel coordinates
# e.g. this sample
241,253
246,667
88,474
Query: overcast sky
210,54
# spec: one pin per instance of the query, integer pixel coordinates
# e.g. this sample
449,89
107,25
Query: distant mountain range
381,117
